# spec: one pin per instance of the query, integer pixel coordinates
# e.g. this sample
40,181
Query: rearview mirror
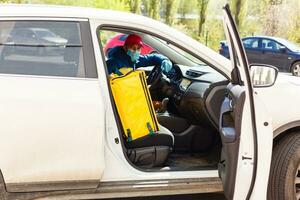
263,75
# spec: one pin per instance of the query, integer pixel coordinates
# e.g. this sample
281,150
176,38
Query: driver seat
151,150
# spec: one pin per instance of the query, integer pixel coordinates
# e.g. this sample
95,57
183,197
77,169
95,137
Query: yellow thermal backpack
134,104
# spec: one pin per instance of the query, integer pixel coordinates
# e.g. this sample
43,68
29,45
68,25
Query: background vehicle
278,52
21,38
119,40
62,137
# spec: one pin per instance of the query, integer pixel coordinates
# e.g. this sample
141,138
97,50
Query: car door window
271,45
251,43
112,39
47,48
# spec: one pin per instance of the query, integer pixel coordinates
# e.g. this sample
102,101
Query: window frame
251,48
88,54
120,28
271,50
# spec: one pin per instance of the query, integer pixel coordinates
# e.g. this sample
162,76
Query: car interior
187,102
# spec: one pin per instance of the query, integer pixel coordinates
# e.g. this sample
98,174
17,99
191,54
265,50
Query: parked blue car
275,51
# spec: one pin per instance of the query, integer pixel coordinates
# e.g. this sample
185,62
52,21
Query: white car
61,137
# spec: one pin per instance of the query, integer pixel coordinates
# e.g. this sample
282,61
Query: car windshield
45,34
292,46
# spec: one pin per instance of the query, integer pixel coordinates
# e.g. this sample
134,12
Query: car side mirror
263,75
282,49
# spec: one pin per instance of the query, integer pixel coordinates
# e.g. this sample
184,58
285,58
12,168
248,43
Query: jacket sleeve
150,59
113,66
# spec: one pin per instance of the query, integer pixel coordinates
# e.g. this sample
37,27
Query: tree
134,6
153,10
271,19
170,10
185,8
238,10
293,30
202,6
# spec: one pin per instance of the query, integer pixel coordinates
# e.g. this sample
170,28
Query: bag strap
129,137
151,132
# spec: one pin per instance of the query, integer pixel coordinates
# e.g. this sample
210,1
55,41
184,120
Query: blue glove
166,66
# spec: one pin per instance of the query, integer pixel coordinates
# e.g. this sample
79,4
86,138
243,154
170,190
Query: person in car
129,56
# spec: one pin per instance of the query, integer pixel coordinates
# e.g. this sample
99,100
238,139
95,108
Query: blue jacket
118,58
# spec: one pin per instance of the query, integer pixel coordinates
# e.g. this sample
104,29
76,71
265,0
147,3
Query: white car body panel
282,112
69,148
265,144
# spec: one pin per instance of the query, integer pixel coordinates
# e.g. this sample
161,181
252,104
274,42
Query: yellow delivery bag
134,104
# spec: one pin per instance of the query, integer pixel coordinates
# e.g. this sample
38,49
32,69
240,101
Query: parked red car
119,40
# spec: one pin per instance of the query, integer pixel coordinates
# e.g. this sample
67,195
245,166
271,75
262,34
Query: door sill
123,189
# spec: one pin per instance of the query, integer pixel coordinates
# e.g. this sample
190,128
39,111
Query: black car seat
151,150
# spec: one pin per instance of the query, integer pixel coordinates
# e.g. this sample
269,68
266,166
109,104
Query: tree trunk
202,6
237,7
134,6
154,9
171,8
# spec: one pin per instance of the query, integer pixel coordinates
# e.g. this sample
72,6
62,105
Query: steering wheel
154,76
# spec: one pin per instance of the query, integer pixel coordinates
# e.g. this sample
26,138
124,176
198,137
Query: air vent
194,74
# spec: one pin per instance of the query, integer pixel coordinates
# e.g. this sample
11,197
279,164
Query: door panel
237,128
54,133
230,130
253,50
271,54
253,55
52,112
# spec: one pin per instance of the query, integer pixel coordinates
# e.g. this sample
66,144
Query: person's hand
166,66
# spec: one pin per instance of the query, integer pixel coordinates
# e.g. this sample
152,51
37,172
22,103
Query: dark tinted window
271,45
41,48
251,43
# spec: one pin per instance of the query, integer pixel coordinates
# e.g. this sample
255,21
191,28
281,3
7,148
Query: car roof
263,37
37,10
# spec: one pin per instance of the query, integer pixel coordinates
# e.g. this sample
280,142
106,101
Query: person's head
132,46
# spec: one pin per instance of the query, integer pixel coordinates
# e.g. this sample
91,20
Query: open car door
237,123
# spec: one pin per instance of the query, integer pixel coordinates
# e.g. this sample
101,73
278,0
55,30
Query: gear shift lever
164,104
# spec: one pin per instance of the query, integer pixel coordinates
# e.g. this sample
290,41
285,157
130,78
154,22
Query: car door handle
228,134
227,105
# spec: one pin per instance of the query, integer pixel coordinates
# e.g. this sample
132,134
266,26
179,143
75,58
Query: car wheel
284,180
295,69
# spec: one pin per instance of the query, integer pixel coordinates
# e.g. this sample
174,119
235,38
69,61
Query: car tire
284,180
295,69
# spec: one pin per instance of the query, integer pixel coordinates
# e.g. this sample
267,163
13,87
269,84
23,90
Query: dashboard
194,91
184,84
